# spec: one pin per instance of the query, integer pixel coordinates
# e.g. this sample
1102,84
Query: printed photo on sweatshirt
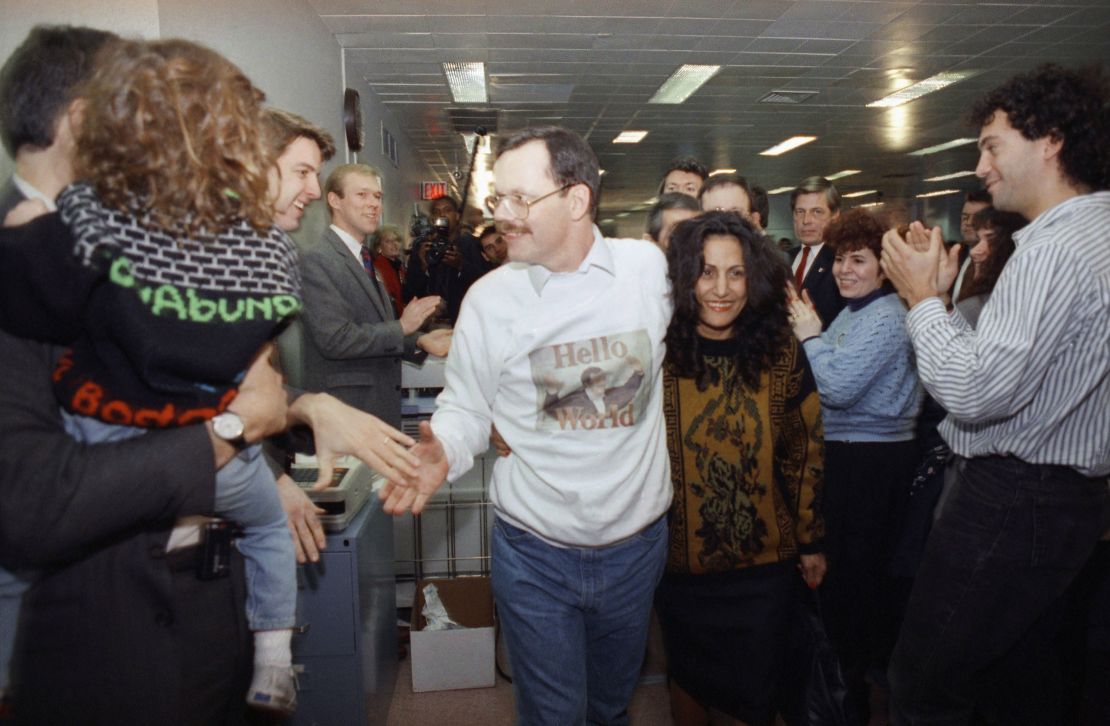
593,384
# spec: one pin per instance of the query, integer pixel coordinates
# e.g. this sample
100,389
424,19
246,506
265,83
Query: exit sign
433,190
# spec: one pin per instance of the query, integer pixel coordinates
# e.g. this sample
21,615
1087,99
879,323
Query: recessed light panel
946,177
943,147
922,88
789,145
682,83
467,81
630,137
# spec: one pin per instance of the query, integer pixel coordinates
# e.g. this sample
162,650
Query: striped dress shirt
1033,381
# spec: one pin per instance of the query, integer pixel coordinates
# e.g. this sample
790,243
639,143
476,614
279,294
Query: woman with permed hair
744,438
163,271
870,398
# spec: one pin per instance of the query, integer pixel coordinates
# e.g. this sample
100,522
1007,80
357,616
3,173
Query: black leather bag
817,696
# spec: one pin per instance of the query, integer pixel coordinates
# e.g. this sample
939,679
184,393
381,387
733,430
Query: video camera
437,233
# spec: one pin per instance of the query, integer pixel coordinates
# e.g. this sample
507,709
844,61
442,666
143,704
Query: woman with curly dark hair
870,398
995,230
744,437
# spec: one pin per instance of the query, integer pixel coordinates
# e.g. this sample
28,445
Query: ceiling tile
835,30
591,65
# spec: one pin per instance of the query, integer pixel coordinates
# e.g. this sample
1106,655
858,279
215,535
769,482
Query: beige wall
281,44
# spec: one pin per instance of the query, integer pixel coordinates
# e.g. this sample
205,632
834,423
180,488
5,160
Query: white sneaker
273,688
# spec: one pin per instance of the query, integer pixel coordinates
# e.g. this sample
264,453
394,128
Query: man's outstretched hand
411,493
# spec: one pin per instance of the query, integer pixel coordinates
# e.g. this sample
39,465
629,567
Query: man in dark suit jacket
101,633
9,197
353,341
814,204
36,105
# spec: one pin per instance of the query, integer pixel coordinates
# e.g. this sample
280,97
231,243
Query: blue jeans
981,628
575,621
246,493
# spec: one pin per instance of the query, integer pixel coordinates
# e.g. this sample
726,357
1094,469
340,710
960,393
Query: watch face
228,426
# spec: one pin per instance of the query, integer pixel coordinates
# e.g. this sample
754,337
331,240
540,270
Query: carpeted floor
494,706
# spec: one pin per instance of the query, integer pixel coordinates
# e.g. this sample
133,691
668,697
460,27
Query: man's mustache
511,227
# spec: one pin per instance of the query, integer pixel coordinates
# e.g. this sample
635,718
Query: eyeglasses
518,205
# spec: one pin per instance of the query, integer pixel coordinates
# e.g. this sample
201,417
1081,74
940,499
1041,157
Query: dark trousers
120,638
981,628
864,504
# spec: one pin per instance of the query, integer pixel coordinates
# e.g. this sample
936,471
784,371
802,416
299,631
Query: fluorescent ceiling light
630,137
942,147
780,190
622,215
682,83
940,193
919,89
859,194
789,145
467,81
946,177
716,172
842,174
601,172
870,204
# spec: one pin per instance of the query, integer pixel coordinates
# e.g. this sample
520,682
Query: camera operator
445,260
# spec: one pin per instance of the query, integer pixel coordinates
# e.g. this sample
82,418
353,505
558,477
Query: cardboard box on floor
444,660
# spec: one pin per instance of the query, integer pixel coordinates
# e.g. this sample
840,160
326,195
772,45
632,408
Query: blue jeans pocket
509,532
653,532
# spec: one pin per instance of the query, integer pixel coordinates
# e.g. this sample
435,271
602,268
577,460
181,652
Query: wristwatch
229,427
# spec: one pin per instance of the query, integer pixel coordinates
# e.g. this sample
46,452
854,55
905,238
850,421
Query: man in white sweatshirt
579,540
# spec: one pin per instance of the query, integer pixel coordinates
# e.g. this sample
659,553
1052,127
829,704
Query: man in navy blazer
814,204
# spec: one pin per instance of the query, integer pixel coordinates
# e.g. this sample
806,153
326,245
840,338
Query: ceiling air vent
787,96
464,120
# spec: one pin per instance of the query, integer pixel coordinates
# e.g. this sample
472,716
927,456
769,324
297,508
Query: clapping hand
804,319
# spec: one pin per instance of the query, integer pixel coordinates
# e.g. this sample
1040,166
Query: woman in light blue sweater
870,398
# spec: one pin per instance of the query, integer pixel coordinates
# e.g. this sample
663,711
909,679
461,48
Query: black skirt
728,636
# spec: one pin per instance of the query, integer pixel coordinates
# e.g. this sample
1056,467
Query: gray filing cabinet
347,657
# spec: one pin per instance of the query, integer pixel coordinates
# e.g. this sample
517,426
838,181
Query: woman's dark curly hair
761,329
1003,224
172,132
1073,105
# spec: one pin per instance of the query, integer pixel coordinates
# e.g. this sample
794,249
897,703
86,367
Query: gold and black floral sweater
747,466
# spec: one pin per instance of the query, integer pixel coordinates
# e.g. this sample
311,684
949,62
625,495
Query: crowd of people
698,423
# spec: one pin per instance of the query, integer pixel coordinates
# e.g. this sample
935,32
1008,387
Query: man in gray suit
37,107
353,341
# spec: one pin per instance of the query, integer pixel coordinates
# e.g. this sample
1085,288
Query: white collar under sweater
598,256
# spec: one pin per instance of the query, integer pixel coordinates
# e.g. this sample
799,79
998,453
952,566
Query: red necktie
367,261
800,273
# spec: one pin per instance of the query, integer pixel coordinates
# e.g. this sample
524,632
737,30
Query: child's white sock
272,647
